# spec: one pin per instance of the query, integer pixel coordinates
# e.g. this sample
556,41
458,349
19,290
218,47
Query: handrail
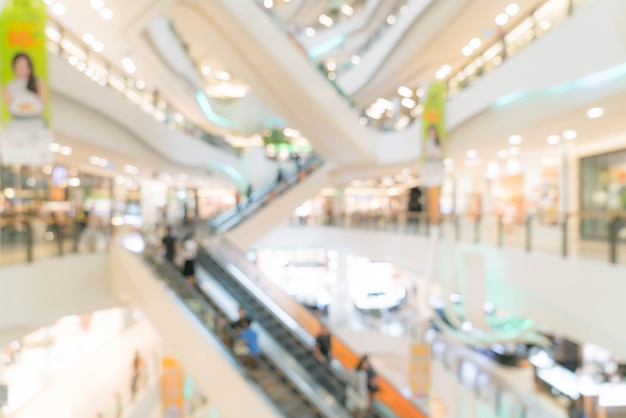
239,213
451,81
390,396
102,72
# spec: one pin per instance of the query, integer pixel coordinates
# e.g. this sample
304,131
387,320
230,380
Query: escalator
279,385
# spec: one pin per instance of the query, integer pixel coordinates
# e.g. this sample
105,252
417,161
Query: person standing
323,345
249,336
249,194
373,386
189,253
168,243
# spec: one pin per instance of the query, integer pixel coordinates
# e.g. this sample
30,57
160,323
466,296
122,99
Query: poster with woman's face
24,67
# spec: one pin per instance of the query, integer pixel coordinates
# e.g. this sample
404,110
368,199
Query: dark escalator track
322,373
283,393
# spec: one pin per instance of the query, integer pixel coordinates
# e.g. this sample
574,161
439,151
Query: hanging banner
419,369
24,81
172,388
433,136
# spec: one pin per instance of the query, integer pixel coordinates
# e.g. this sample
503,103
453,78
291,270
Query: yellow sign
172,383
419,370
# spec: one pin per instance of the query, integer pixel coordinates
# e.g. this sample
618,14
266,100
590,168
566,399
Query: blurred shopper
357,394
136,374
279,177
189,252
243,316
249,194
168,243
249,336
373,387
323,346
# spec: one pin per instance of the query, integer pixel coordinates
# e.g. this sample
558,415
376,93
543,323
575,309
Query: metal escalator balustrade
232,267
267,376
233,217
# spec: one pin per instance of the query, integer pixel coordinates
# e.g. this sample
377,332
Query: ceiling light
129,65
408,103
446,69
140,84
502,19
72,60
420,92
355,59
448,162
89,38
97,46
97,4
54,147
595,113
515,139
373,113
59,9
94,160
503,153
362,121
310,32
347,10
131,169
223,75
467,50
472,153
391,19
332,76
106,14
291,133
512,9
73,181
553,139
384,103
570,135
514,151
331,65
268,4
65,151
206,70
326,20
405,91
475,43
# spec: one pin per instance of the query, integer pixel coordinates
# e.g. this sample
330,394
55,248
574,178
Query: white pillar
341,307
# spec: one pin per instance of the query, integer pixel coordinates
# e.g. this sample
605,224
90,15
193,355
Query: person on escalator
236,325
373,386
169,244
249,336
323,346
189,254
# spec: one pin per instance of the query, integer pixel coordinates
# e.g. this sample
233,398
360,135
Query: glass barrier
80,56
390,402
257,200
27,239
590,235
527,28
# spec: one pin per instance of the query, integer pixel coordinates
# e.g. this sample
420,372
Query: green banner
24,76
433,124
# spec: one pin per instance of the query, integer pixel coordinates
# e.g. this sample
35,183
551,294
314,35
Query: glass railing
257,200
93,66
590,235
25,239
507,44
390,401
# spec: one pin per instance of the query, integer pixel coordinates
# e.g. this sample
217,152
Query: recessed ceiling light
391,19
553,139
570,135
467,50
404,91
502,19
97,46
355,59
347,10
448,162
595,113
106,14
514,151
332,75
268,4
206,70
223,75
66,151
331,65
129,65
475,43
88,38
59,9
54,147
420,92
503,153
310,32
472,153
515,139
326,20
140,84
97,4
512,9
408,103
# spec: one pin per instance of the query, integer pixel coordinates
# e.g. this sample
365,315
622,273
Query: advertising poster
433,136
172,388
24,82
419,370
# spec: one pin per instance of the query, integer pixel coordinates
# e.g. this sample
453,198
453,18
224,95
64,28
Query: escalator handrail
227,253
311,164
173,277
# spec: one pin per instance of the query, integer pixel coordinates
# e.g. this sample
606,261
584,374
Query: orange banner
172,383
